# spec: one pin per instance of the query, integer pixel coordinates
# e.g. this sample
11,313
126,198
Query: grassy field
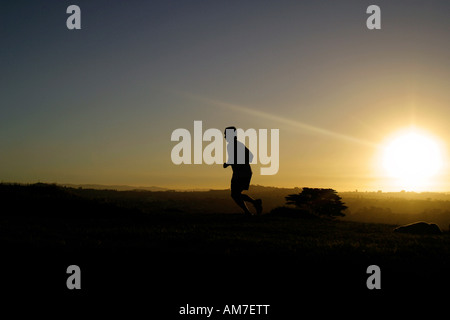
47,216
224,234
222,255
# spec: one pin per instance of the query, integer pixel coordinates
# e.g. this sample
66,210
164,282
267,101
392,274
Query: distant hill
112,187
110,200
253,188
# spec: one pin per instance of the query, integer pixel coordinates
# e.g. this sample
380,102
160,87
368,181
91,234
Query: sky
99,105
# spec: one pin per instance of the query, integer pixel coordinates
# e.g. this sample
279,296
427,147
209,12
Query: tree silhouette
321,202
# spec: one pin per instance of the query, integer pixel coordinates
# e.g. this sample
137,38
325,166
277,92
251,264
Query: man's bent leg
247,198
257,203
238,198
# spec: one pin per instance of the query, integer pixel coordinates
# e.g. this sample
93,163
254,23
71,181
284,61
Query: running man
239,157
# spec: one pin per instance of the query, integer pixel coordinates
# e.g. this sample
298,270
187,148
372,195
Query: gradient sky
98,105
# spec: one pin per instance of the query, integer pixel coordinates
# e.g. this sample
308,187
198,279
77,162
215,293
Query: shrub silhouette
420,227
320,202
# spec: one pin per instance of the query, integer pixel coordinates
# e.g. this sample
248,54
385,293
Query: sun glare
412,159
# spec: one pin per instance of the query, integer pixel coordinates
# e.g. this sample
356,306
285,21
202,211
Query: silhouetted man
239,157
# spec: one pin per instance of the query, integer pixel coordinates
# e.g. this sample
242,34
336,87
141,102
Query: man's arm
230,152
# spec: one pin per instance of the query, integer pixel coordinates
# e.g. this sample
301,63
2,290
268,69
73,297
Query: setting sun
412,158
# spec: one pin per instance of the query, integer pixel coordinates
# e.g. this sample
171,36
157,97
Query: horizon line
184,189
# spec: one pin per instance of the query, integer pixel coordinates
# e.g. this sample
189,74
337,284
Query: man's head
231,133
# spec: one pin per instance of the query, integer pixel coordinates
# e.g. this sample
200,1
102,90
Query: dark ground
156,261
